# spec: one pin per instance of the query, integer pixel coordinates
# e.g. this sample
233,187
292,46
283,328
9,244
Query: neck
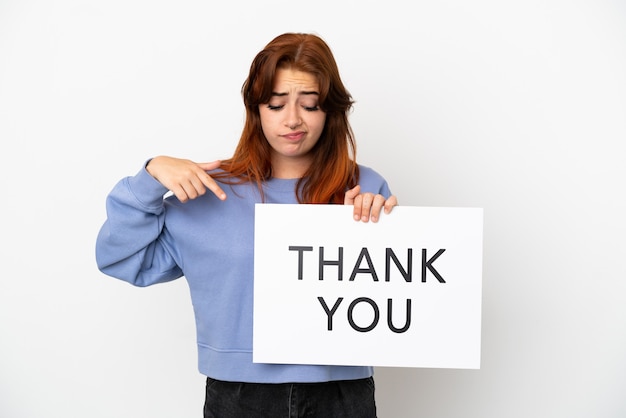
290,168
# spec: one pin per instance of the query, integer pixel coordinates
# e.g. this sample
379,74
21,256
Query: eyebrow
302,93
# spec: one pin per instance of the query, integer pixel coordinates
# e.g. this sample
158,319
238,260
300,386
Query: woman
296,147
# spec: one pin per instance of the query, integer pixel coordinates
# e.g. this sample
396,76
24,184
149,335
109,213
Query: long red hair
334,168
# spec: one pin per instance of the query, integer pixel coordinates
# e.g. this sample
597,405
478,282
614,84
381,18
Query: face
292,122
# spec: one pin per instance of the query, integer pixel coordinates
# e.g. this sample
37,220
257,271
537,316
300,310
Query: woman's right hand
185,178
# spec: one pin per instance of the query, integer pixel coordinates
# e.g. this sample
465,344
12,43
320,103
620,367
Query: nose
292,117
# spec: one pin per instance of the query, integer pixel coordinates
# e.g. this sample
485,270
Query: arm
129,245
133,244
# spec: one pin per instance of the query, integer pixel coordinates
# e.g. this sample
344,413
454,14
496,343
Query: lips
294,136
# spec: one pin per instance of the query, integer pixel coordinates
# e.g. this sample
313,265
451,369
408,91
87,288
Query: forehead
287,80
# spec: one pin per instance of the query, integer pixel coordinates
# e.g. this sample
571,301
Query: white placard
402,292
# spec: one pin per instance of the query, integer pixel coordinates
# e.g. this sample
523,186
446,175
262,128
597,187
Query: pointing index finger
209,182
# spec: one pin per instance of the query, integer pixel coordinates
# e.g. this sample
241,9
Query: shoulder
369,173
373,182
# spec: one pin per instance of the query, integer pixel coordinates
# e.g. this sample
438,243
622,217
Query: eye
311,108
272,107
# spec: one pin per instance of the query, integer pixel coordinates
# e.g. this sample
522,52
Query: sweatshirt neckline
281,184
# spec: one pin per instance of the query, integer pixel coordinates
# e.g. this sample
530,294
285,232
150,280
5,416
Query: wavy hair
333,169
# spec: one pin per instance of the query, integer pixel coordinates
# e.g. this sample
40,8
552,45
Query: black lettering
330,312
407,324
408,273
376,315
364,254
338,263
429,265
300,251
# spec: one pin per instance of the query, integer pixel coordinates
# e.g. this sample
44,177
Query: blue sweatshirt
148,239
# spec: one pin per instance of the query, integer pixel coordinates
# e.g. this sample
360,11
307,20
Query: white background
515,107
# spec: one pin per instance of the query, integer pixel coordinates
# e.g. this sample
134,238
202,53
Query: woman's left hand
368,205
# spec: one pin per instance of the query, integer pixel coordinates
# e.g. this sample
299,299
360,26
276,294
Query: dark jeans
336,399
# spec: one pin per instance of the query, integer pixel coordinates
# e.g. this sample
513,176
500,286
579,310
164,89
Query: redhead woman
296,146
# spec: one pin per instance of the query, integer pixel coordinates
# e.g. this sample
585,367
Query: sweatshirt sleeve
372,182
131,244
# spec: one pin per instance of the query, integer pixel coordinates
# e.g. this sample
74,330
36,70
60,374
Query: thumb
210,166
351,194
